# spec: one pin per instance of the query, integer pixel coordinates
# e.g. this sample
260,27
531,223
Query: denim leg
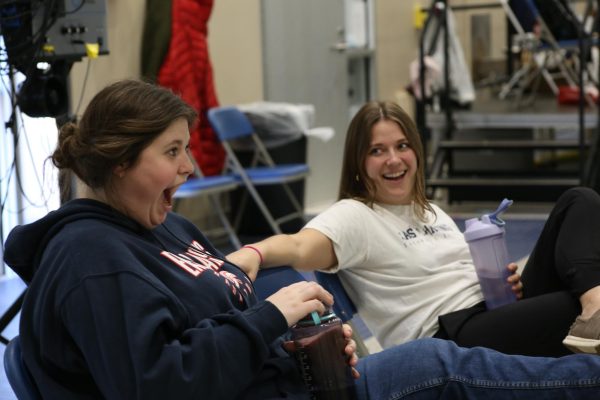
438,369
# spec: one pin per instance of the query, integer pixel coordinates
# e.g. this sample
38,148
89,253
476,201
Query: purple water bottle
487,243
317,343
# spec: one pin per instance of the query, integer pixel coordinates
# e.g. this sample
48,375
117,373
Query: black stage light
56,33
44,91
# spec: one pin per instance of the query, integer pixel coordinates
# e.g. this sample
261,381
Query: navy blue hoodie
118,311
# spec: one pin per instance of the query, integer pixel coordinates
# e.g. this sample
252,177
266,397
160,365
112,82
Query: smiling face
144,190
391,164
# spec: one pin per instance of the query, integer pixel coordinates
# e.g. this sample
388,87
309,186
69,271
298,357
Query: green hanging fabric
155,38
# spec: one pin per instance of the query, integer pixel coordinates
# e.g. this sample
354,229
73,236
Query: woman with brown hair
406,265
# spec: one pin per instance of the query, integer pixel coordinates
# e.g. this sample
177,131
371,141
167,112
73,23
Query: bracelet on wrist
260,256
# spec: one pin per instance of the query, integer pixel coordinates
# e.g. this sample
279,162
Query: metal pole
447,84
14,127
590,169
421,108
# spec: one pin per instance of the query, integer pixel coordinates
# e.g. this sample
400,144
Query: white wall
234,38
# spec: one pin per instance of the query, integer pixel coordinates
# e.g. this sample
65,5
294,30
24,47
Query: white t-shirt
400,272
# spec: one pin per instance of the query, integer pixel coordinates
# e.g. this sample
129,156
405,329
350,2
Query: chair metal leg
298,213
240,212
293,198
10,314
254,193
533,82
550,81
514,80
225,222
263,207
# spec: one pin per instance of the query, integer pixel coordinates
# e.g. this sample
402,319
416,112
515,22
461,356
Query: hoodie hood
26,243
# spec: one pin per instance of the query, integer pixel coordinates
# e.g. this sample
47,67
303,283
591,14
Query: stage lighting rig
43,38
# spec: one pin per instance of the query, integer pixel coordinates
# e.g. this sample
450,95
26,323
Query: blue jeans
438,369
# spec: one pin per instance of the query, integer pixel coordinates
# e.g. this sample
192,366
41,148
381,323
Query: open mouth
168,196
393,176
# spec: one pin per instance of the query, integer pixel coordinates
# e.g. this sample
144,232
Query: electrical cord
81,4
30,202
18,126
26,53
85,79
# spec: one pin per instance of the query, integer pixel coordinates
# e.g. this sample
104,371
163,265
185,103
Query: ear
120,170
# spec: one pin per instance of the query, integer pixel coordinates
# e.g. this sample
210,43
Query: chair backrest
525,13
558,17
229,123
343,306
18,376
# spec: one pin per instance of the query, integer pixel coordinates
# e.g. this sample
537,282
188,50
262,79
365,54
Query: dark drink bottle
317,343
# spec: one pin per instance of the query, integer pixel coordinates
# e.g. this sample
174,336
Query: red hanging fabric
187,70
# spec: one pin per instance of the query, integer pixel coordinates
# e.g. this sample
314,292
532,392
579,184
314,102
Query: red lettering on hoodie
196,260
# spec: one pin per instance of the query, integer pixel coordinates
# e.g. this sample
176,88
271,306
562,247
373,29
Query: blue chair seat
206,184
566,44
18,376
270,280
273,175
343,306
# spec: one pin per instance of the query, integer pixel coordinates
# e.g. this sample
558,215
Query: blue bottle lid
486,225
495,216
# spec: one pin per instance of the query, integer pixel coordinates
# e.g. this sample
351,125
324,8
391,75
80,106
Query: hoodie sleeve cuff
267,319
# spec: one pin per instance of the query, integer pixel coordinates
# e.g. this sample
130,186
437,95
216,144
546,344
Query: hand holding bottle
325,356
300,299
514,280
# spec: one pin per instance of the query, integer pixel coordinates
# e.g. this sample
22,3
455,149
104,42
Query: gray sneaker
584,335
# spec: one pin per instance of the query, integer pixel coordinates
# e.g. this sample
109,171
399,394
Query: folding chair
561,29
231,124
211,186
18,376
343,306
544,50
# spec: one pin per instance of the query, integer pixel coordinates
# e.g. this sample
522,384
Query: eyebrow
176,142
405,140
